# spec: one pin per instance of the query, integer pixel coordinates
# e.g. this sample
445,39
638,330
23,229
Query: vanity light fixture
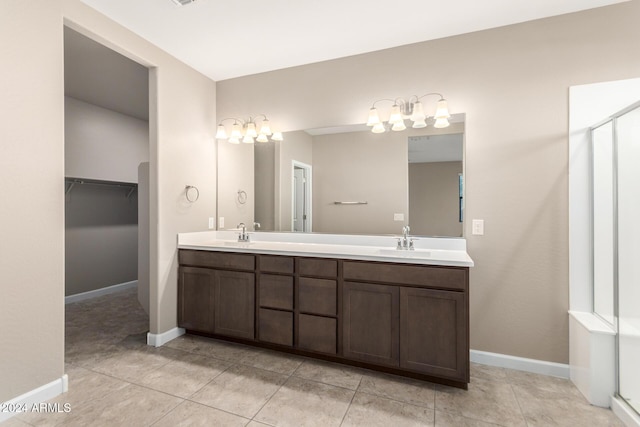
247,131
412,109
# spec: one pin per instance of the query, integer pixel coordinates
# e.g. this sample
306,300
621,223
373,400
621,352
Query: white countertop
428,250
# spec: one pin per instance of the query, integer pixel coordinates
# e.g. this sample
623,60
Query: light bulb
235,131
247,139
442,110
396,115
418,113
374,119
441,123
222,132
398,126
378,128
262,138
233,140
251,130
277,136
419,124
265,128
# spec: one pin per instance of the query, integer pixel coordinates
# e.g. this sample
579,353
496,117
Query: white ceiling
232,38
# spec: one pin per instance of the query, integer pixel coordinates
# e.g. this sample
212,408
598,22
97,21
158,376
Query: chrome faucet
243,236
256,226
406,242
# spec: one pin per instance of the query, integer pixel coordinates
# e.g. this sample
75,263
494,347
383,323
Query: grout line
351,401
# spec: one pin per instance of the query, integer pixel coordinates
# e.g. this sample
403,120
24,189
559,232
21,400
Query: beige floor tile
222,350
446,419
489,401
330,373
193,415
131,406
281,363
486,372
373,411
14,422
56,415
545,407
135,362
241,390
84,386
306,403
255,423
407,390
184,377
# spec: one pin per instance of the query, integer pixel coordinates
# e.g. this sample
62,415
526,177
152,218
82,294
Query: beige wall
103,144
32,207
363,167
512,83
434,199
235,172
182,151
264,184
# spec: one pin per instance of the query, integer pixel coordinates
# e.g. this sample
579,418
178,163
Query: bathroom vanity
348,299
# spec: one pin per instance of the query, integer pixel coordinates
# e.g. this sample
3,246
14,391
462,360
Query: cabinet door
235,304
433,332
196,299
370,323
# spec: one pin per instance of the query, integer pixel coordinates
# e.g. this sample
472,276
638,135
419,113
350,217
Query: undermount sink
415,253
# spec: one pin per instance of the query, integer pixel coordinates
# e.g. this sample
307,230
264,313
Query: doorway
106,142
301,197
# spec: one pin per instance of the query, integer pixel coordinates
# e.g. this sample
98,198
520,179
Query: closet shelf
70,182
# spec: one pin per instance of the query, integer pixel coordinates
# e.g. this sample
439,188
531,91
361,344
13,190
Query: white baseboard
35,396
520,363
100,292
158,340
627,415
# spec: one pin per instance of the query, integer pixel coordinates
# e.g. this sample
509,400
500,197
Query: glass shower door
628,215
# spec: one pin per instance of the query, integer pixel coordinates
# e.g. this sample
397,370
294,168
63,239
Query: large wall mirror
348,180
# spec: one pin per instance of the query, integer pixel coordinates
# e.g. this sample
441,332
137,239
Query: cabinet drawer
318,296
276,326
276,264
418,275
276,291
317,333
216,260
318,267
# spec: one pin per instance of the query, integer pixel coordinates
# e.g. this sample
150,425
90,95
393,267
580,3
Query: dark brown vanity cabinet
196,298
414,317
407,319
317,309
434,332
213,298
371,322
275,301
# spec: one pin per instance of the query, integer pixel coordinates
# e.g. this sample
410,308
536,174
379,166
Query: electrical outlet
398,217
477,227
211,223
221,222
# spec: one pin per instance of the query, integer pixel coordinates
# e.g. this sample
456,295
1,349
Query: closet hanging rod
132,186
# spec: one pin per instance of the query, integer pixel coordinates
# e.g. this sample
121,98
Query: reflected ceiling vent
182,2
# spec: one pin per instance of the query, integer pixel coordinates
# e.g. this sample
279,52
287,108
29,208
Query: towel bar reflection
350,203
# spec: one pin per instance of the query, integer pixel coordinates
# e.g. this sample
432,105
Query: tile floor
116,380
